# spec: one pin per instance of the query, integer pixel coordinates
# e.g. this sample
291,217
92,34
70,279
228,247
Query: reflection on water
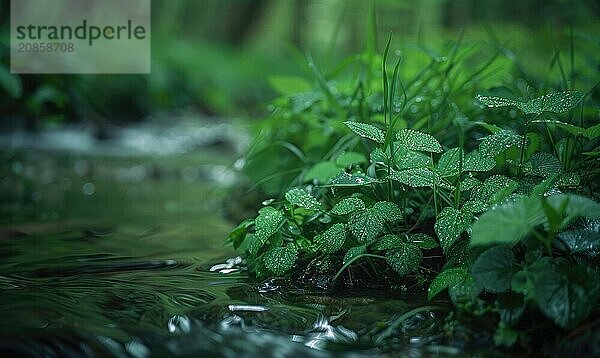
123,255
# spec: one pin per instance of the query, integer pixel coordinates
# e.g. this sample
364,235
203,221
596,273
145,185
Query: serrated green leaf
545,165
348,180
322,172
332,239
354,252
499,142
423,241
408,159
464,292
303,199
366,225
492,186
450,224
387,242
449,163
476,162
349,158
266,224
404,259
347,206
388,211
493,270
419,141
474,206
366,131
470,183
416,177
558,102
280,259
447,278
568,180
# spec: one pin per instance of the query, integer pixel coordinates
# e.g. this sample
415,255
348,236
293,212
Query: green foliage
302,199
415,140
504,204
280,259
559,102
366,131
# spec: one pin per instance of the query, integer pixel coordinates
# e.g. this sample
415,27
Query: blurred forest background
215,57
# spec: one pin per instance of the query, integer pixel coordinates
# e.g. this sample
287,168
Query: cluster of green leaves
510,214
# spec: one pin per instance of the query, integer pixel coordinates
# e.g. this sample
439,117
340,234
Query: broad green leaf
445,279
558,102
419,141
499,142
450,224
366,131
347,206
404,259
388,211
449,163
476,162
575,206
516,219
348,158
332,239
354,252
387,242
507,223
303,199
280,259
289,84
268,221
366,225
545,165
495,268
423,241
567,297
344,179
322,172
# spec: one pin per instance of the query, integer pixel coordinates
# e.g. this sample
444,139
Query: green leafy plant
506,212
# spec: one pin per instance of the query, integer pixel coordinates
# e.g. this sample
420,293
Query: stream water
116,248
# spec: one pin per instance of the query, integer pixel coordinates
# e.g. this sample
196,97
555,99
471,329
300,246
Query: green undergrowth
432,183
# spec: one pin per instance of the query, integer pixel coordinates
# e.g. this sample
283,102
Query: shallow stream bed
120,252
